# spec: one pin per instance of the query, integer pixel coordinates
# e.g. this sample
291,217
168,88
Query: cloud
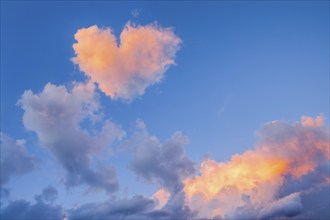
315,203
288,206
56,115
4,196
125,69
161,196
48,195
21,209
135,12
134,208
264,182
308,121
15,160
137,207
175,208
163,164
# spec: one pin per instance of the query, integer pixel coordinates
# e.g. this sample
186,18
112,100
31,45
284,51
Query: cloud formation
56,115
48,195
288,206
125,69
163,164
135,208
265,182
15,160
22,209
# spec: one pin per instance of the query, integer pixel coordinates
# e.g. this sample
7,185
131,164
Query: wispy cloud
135,12
125,69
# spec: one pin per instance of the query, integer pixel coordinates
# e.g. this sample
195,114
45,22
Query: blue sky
240,65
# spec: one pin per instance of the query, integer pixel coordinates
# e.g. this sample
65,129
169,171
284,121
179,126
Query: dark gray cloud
4,196
308,182
41,209
21,209
135,208
163,164
138,207
176,207
48,195
316,204
15,160
56,115
288,206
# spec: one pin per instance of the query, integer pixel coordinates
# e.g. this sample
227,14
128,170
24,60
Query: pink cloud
308,121
125,69
161,196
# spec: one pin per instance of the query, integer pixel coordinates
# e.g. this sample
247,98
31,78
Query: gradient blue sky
241,64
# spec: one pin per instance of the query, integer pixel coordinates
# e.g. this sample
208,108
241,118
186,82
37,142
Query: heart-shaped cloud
124,70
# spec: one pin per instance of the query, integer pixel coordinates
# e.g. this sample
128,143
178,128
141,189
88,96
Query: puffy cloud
308,121
21,209
315,203
56,115
125,69
165,165
137,207
266,182
15,160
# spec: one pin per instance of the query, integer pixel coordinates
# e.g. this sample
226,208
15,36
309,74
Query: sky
165,110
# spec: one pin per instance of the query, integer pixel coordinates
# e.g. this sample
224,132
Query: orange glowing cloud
125,69
308,121
161,196
244,173
254,178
